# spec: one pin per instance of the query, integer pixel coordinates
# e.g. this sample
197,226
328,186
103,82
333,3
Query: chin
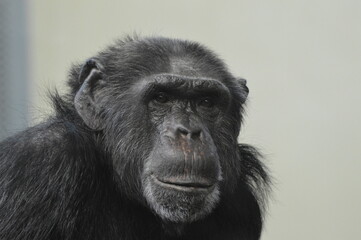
180,201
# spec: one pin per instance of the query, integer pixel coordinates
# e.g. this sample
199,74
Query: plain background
302,60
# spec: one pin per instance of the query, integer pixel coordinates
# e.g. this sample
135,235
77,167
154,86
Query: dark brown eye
161,98
206,102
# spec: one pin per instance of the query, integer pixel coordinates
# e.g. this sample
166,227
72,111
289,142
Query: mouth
187,185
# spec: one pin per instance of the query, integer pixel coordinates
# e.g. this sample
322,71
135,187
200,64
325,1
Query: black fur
82,174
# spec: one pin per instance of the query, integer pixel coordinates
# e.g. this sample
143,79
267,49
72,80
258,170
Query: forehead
184,66
135,60
189,66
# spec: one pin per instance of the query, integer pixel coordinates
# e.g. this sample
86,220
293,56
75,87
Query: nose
188,132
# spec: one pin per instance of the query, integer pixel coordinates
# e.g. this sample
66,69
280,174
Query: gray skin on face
182,173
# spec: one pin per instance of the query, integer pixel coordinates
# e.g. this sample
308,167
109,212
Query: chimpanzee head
168,113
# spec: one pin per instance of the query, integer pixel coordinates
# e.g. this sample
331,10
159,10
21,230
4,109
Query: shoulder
42,144
34,137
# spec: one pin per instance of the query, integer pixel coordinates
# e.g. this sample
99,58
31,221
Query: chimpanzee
143,146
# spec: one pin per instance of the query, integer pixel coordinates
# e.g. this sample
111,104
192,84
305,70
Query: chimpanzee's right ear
86,101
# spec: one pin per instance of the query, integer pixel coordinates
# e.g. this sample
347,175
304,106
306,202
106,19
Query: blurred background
302,60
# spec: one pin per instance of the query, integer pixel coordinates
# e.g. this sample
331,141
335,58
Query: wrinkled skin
144,146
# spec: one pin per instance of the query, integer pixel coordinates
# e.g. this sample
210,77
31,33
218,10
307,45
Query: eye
206,102
161,97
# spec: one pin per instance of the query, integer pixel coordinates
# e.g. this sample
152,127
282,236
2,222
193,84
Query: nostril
183,131
196,134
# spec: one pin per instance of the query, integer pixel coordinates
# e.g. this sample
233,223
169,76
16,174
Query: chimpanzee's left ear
87,102
242,83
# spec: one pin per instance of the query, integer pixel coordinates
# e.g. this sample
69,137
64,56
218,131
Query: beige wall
302,60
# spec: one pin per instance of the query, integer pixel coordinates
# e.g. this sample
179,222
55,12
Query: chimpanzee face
178,127
182,173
